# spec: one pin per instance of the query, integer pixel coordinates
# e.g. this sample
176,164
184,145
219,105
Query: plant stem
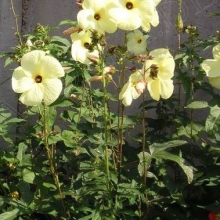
121,113
179,47
106,126
144,142
144,149
16,23
105,116
50,159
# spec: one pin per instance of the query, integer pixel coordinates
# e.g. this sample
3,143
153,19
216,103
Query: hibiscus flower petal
52,89
215,82
216,52
85,19
107,24
134,93
166,88
20,82
211,67
126,19
79,54
30,61
51,67
155,19
126,89
146,26
153,87
33,96
127,100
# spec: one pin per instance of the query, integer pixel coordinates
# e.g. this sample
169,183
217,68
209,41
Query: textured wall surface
7,41
51,12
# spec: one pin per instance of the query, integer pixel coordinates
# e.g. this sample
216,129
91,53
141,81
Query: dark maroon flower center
86,45
129,5
38,79
97,17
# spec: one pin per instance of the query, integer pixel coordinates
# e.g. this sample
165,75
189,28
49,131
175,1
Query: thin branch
17,33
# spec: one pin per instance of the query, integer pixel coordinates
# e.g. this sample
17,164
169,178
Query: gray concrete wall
51,12
7,41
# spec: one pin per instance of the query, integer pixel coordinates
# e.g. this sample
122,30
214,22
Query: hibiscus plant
107,131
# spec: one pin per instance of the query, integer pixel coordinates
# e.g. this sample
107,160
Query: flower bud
93,59
95,78
108,77
109,69
71,30
179,22
29,43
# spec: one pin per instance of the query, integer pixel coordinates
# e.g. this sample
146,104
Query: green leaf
68,138
157,147
27,195
198,105
8,61
144,162
62,40
187,169
215,207
9,215
69,22
212,118
49,185
28,176
21,152
190,130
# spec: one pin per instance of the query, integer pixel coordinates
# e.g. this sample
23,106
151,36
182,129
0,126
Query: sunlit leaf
28,176
198,105
212,118
10,215
188,170
157,147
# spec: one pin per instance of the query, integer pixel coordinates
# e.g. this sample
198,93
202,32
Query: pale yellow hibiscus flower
158,72
38,78
136,42
133,88
95,16
80,49
153,19
132,14
212,67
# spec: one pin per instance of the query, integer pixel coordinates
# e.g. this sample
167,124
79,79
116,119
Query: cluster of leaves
174,177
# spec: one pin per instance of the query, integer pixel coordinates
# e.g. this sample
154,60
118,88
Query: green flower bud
179,22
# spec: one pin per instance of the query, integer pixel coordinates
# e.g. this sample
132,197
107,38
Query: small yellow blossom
137,43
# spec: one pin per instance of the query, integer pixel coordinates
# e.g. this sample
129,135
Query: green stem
144,150
179,47
105,125
121,113
144,142
51,162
